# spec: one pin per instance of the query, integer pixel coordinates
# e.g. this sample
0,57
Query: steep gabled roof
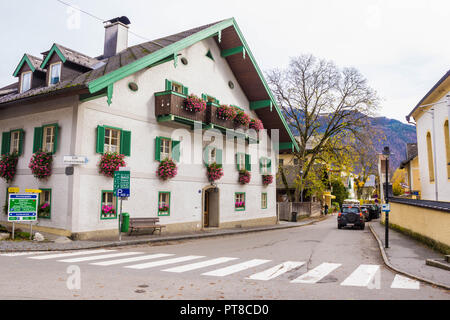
33,62
227,36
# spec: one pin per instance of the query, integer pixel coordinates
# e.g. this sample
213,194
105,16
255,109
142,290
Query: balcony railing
214,119
170,105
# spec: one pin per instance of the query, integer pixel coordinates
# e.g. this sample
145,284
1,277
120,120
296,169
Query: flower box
173,103
214,118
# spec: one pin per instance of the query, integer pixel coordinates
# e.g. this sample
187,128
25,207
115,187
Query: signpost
122,189
23,207
70,160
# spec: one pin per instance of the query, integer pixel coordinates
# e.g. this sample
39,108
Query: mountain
397,135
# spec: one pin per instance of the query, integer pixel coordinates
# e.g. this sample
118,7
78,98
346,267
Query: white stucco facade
440,187
76,199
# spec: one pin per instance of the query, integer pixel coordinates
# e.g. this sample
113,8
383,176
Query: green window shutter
219,157
125,143
176,150
168,85
55,145
269,165
158,149
204,97
6,142
21,137
185,91
100,139
37,141
261,165
248,165
206,155
237,161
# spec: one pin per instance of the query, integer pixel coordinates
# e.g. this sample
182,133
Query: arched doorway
210,207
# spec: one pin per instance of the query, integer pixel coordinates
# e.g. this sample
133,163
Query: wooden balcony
169,106
213,119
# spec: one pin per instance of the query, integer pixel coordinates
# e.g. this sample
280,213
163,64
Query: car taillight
340,214
360,214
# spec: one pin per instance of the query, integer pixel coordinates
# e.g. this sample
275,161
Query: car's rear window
350,210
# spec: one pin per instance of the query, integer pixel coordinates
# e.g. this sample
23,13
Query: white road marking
276,271
71,254
236,268
18,254
134,259
401,282
362,276
199,265
163,262
104,256
317,274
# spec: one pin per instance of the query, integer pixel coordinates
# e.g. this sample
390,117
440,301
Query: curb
174,238
390,266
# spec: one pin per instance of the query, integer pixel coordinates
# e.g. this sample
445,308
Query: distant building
432,115
411,165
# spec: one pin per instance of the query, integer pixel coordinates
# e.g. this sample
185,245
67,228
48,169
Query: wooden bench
145,223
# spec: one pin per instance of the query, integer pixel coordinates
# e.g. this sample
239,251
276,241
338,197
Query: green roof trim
170,50
255,105
229,52
24,59
53,50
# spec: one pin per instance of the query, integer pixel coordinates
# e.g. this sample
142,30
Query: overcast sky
401,46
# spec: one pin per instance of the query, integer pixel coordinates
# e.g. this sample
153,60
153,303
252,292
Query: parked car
366,212
374,211
351,216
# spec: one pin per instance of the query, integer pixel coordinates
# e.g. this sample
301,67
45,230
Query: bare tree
320,102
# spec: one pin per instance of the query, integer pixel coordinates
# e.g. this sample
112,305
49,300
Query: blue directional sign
22,207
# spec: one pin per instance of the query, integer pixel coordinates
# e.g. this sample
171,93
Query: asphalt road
310,262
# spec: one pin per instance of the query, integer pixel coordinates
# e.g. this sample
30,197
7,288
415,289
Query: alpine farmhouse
131,101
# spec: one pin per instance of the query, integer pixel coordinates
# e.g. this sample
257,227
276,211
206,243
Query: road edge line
390,266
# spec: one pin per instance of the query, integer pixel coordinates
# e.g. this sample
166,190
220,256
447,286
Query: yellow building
411,165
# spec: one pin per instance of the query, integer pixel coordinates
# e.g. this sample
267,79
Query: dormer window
25,82
55,73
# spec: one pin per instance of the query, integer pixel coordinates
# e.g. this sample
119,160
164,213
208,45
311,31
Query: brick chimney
116,36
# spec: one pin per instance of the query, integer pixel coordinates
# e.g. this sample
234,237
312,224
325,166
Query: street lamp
301,184
386,197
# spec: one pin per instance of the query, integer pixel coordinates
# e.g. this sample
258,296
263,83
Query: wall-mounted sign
75,160
122,184
385,207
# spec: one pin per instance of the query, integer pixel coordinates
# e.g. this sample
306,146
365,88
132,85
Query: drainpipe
434,156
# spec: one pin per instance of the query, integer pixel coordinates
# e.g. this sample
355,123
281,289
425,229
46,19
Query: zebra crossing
363,276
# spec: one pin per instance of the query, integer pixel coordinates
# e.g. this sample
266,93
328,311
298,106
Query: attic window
55,73
25,82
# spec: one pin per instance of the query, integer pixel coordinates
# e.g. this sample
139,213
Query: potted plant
239,204
242,119
244,176
163,208
41,165
215,172
167,169
194,104
111,162
108,211
44,210
267,179
8,165
225,112
256,124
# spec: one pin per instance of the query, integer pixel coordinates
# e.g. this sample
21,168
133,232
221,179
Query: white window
177,87
164,204
263,200
25,83
55,73
112,140
165,149
108,205
49,139
15,141
265,166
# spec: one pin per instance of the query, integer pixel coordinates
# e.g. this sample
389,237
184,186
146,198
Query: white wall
424,125
135,111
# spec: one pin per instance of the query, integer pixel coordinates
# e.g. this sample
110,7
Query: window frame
59,63
236,194
22,76
169,146
114,203
265,165
264,195
119,137
50,202
429,142
206,97
12,142
44,143
169,193
184,89
447,145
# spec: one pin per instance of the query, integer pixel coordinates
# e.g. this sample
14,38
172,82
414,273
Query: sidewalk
408,256
17,246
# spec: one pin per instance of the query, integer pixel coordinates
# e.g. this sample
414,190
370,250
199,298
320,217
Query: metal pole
31,230
13,231
120,218
386,213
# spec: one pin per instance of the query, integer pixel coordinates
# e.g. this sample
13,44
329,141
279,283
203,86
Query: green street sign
23,207
122,184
